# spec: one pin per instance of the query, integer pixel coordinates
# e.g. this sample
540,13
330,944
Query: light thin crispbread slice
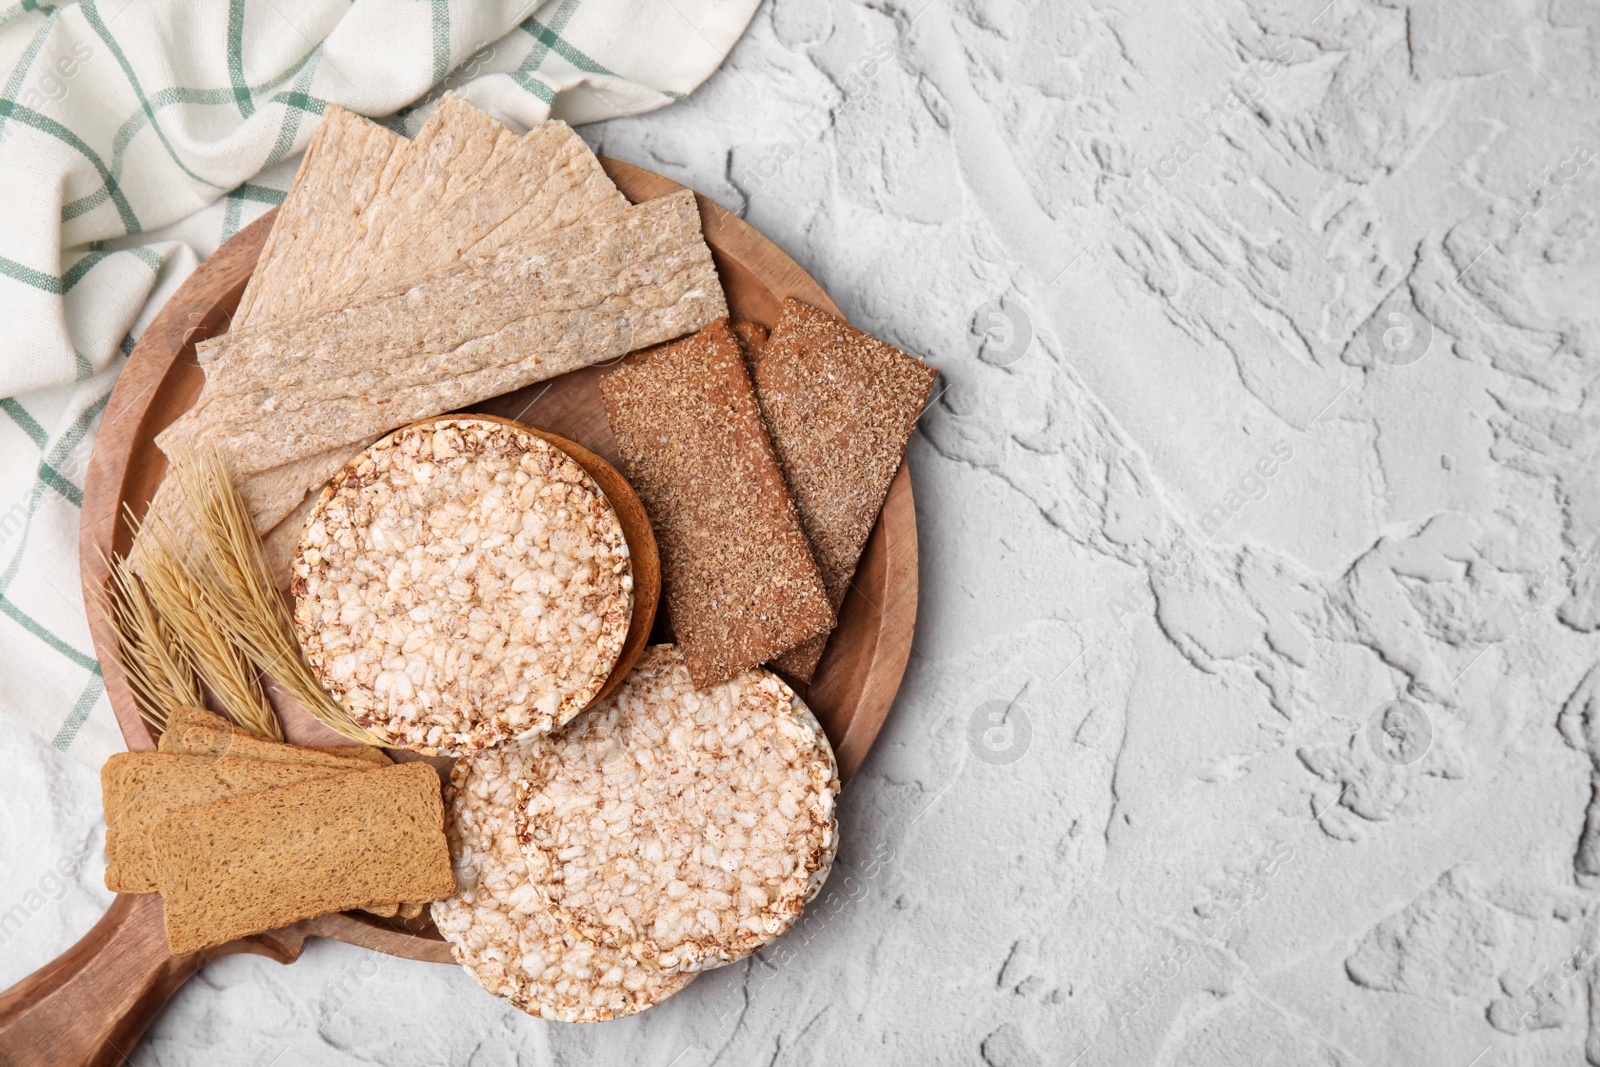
840,406
251,863
139,788
738,577
274,495
283,540
528,312
199,744
469,185
343,169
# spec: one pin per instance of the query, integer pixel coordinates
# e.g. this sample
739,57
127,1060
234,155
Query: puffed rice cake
499,927
462,582
684,828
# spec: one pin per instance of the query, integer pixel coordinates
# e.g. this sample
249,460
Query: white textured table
1262,525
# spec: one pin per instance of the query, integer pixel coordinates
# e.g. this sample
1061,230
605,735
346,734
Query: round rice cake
684,828
499,927
460,582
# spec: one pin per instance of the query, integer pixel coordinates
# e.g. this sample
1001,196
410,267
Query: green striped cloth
138,135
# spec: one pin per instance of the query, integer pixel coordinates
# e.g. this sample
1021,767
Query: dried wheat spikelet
254,617
190,607
156,663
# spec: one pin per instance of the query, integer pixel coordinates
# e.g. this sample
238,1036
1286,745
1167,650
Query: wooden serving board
91,1005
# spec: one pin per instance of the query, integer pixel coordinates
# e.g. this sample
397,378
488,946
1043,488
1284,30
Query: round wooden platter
91,1005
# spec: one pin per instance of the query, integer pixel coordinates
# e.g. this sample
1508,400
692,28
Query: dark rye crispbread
840,407
752,338
138,789
739,582
257,862
197,732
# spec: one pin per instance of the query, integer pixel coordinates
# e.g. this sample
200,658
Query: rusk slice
683,827
499,928
840,407
139,789
257,862
198,732
738,577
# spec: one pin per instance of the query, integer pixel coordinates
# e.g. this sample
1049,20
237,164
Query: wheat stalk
189,606
157,665
253,614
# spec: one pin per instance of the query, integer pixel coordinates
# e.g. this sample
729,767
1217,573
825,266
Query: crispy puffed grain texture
251,863
461,582
228,740
138,789
498,927
840,406
343,169
739,581
529,311
684,827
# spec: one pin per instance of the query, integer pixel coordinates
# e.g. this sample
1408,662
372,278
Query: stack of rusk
241,835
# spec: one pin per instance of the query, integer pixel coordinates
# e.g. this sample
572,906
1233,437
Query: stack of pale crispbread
463,586
403,279
241,835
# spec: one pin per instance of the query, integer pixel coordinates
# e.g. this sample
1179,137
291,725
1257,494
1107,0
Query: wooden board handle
89,1007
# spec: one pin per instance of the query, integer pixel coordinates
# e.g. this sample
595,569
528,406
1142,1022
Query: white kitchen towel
138,135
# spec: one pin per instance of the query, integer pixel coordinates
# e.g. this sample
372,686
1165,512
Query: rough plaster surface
1184,547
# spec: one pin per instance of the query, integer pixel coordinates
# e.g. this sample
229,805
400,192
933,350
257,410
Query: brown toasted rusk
138,789
229,740
251,863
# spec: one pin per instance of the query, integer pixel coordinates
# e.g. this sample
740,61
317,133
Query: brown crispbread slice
752,338
840,406
140,788
251,863
530,311
739,580
196,737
